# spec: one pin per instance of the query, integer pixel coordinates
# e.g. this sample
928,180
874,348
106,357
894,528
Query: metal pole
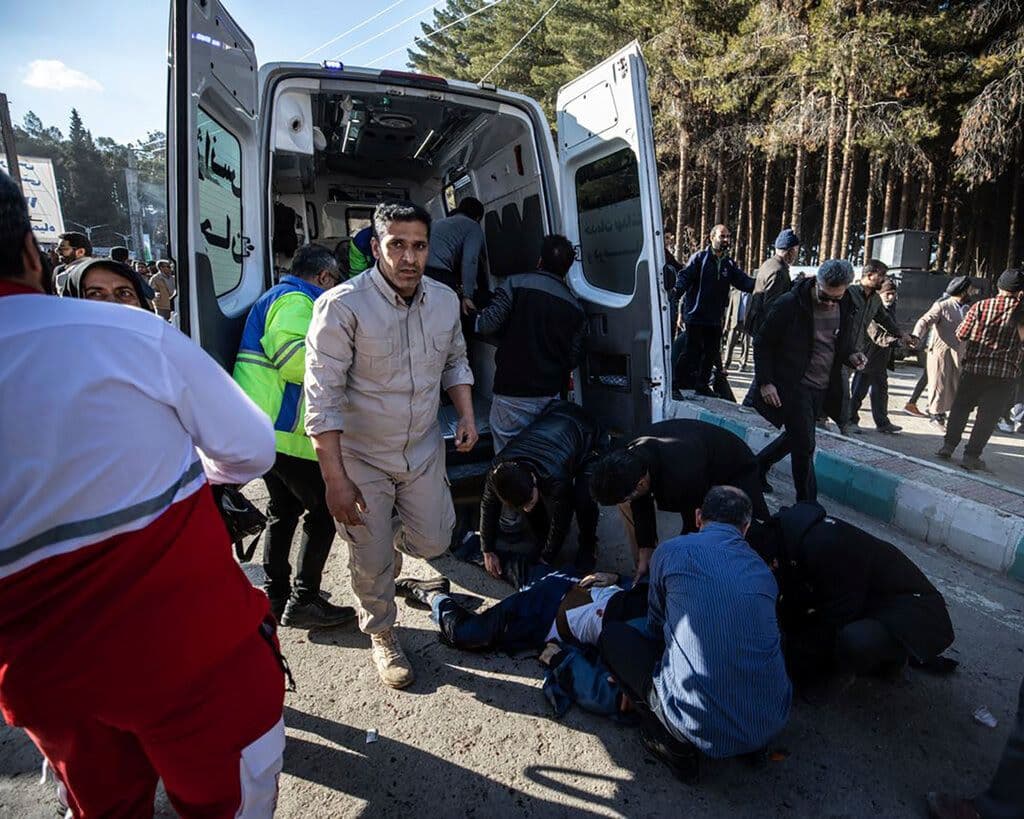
131,181
7,132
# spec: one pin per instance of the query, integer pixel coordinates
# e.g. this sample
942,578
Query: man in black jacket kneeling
544,472
848,601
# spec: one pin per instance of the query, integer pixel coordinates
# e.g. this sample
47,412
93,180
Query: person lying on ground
850,603
671,469
707,676
545,472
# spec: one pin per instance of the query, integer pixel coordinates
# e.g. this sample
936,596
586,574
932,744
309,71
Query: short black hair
726,504
14,224
310,259
616,475
556,255
874,266
79,241
513,483
471,207
119,253
388,212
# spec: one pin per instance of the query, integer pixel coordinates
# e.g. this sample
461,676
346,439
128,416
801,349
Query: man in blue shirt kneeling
709,677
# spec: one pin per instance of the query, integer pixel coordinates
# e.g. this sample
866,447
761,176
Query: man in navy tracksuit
703,285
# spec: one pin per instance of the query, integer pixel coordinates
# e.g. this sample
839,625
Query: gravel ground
474,735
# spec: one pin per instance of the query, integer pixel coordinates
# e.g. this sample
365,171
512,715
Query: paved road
474,736
920,438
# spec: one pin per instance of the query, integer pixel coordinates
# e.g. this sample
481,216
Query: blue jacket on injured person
554,607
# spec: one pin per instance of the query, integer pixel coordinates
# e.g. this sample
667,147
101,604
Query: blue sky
108,59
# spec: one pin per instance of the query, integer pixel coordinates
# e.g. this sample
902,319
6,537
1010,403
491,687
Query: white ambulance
323,144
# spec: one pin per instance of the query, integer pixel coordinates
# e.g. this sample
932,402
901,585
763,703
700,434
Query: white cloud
53,75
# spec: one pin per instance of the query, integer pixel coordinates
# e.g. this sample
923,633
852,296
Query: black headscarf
73,287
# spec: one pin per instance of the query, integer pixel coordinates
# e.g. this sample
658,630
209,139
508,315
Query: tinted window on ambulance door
610,223
220,202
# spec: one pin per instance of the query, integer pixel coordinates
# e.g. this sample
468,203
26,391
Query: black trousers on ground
630,657
296,485
1004,798
700,355
877,381
801,407
989,395
865,646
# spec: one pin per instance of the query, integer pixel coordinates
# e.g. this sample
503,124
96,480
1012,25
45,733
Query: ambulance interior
339,148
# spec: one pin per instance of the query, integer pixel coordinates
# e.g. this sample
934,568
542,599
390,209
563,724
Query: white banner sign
40,188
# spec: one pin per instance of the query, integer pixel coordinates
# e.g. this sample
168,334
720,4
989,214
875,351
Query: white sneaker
1005,426
1017,413
393,666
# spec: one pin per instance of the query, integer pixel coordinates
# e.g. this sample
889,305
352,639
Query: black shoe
682,758
422,591
277,605
945,452
316,613
890,429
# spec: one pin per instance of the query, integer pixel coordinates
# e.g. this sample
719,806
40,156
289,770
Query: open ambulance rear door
216,195
612,212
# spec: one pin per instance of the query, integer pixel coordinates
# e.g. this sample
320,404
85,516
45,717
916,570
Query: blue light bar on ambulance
334,65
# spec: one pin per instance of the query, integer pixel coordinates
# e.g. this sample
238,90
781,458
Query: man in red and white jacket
132,646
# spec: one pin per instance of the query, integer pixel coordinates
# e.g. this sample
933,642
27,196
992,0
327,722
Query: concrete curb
975,531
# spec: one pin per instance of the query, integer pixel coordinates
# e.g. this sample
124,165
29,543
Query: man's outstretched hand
492,563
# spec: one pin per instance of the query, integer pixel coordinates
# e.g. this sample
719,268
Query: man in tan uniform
377,349
165,287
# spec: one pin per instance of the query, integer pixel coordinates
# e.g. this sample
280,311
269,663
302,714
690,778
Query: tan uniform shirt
373,366
165,288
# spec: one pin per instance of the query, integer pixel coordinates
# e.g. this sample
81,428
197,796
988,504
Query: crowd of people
115,558
822,345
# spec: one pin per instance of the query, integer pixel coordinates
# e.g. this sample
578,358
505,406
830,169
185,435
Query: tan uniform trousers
426,518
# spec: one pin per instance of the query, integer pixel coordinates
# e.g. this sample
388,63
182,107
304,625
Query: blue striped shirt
722,681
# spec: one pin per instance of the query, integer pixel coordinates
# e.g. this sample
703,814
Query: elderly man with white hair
799,353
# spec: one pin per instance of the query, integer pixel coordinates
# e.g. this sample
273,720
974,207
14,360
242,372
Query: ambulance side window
610,221
219,169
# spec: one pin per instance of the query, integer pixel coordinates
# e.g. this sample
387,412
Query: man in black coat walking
799,353
544,472
671,468
848,601
703,287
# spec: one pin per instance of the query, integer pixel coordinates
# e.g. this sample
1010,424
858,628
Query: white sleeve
233,436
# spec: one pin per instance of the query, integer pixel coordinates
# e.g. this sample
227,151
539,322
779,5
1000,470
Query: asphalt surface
474,736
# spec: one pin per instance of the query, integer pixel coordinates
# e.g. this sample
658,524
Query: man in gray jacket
772,279
378,347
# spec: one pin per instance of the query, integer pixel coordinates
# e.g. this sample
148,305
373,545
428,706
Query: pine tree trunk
905,199
753,252
719,189
788,177
703,203
943,242
762,232
742,240
890,196
838,247
954,240
682,188
929,197
798,171
844,244
1014,220
869,206
824,246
